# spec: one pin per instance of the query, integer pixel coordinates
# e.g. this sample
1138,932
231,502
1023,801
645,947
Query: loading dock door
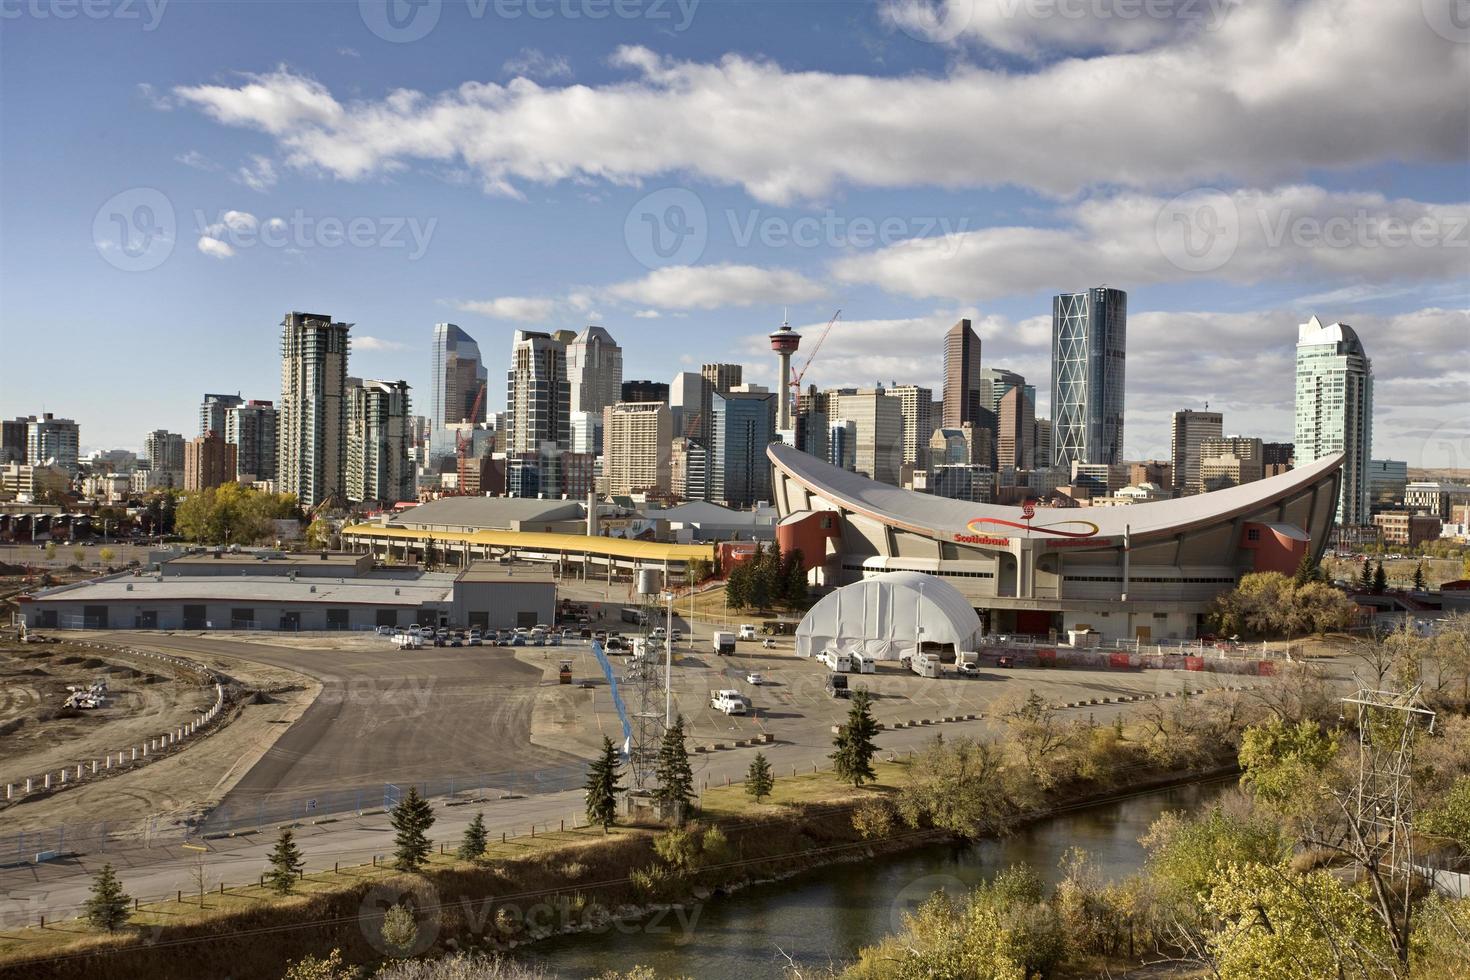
291,621
147,619
194,617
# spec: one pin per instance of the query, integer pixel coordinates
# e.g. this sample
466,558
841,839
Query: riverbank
576,881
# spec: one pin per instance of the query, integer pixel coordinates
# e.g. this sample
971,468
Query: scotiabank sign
982,539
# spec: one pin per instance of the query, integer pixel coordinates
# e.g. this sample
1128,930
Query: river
824,916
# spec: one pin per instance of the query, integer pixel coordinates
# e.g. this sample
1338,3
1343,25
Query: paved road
386,717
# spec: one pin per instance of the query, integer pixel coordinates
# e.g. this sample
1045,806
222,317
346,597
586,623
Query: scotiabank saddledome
1146,571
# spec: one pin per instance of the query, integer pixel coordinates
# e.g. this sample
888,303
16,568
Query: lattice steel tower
1389,723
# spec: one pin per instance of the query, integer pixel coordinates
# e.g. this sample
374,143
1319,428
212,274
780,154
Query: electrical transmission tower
1389,725
644,679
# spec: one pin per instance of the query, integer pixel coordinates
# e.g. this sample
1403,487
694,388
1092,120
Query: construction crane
797,376
464,438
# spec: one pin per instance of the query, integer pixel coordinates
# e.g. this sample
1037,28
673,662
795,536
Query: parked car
1005,661
385,631
476,638
517,640
754,678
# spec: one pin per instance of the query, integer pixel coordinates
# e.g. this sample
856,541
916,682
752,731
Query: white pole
669,659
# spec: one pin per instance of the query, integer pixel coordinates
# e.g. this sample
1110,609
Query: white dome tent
882,617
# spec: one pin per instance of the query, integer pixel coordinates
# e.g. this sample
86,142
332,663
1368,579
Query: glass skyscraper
455,378
1334,410
1089,342
744,424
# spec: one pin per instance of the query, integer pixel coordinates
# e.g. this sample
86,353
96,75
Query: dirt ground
173,789
37,734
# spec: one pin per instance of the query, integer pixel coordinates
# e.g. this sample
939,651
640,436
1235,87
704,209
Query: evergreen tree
758,778
737,585
286,863
1419,577
793,579
411,818
1365,576
1306,570
472,845
1380,579
675,790
602,786
853,758
107,908
762,578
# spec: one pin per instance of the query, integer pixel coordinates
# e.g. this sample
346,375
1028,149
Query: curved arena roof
925,514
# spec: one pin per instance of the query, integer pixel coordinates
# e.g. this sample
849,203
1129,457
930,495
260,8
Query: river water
824,916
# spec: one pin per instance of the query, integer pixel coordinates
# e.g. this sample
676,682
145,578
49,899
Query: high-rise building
586,432
457,378
686,397
311,438
714,379
1387,481
645,391
1334,409
1089,342
879,450
994,383
1015,447
537,416
1189,430
251,428
1043,444
13,440
744,424
842,444
378,438
594,370
962,400
689,464
1230,461
916,405
164,450
213,409
50,438
636,445
208,462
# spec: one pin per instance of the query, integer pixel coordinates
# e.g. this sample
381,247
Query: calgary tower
784,342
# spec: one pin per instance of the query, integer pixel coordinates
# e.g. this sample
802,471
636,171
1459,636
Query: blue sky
1236,169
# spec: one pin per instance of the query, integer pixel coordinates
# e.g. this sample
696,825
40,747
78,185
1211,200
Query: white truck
747,631
729,701
836,661
863,663
723,642
925,664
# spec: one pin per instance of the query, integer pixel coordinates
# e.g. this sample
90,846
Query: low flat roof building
492,595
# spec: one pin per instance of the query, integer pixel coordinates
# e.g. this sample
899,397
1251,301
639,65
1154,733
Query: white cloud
239,222
647,314
527,309
705,287
1290,74
258,175
1032,27
1301,233
534,63
215,248
367,343
197,160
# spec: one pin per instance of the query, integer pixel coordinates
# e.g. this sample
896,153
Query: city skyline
254,151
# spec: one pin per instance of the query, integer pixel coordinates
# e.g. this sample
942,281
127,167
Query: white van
862,664
747,631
